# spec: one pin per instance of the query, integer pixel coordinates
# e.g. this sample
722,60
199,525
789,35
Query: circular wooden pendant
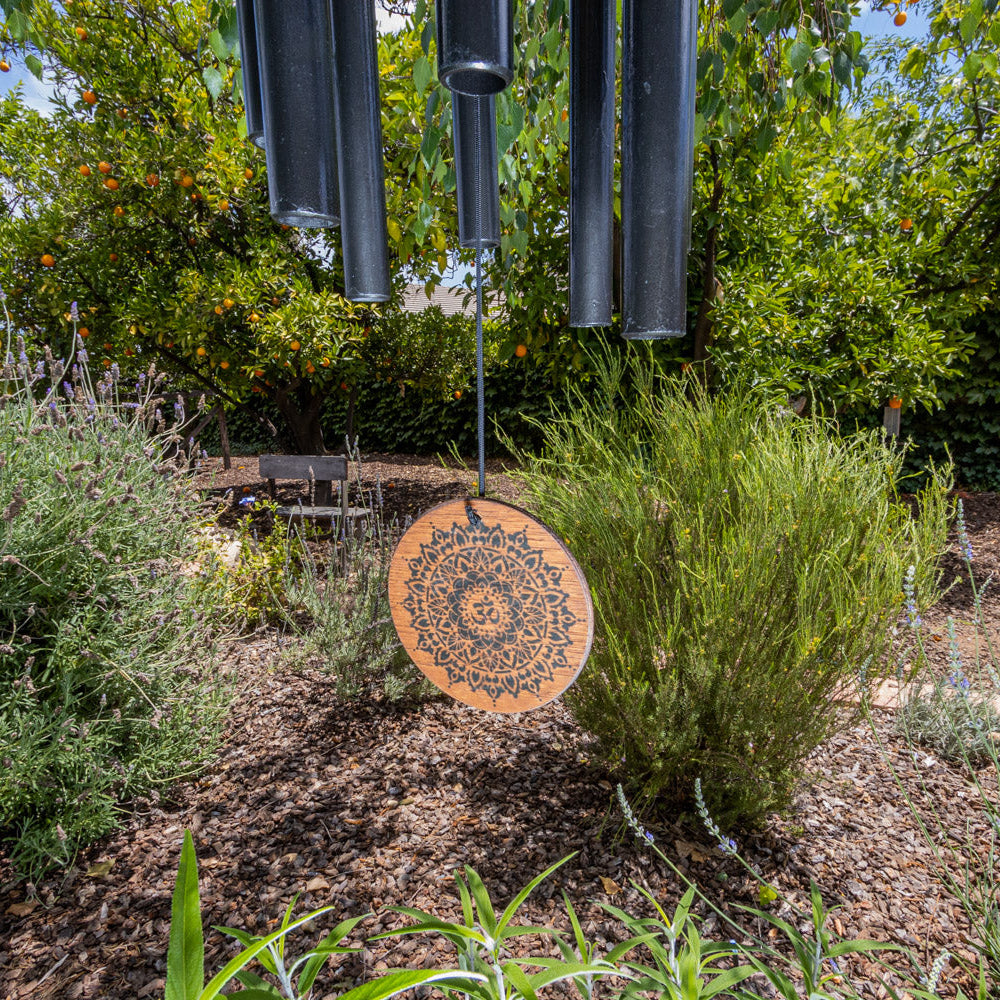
490,605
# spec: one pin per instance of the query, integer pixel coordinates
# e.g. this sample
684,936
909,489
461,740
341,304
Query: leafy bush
745,566
99,697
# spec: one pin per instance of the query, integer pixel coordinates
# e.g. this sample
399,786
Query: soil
365,807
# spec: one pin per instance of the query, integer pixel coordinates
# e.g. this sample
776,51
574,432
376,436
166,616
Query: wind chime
487,601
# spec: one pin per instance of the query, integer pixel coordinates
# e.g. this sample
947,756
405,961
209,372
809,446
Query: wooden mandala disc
490,605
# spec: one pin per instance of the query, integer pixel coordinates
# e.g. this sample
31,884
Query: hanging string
480,401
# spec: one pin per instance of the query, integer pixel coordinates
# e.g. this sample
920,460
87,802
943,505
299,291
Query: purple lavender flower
83,355
74,312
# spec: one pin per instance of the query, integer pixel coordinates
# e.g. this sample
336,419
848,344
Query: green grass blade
398,982
214,987
487,917
515,903
186,951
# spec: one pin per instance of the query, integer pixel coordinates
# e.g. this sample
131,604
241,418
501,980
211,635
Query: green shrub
746,567
99,696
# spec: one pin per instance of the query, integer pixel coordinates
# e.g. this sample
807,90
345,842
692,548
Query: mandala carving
490,610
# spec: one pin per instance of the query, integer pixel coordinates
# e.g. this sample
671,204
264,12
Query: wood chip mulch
366,807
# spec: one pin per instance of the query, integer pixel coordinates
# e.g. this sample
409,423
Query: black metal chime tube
250,71
295,52
659,43
474,122
475,40
359,152
592,26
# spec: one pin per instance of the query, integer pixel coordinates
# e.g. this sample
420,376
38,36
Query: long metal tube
659,45
474,121
592,25
250,71
475,44
359,152
295,49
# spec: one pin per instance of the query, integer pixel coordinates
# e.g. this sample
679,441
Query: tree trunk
300,407
710,288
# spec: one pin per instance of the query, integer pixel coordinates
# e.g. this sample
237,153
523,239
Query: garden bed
371,806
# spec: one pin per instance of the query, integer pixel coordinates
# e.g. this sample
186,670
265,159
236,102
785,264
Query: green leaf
970,20
34,64
229,28
971,67
515,903
213,81
218,981
218,46
487,918
798,55
422,74
325,948
398,982
186,950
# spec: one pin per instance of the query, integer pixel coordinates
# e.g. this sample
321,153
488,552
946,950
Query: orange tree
138,198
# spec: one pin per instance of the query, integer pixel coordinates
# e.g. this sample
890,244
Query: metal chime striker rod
659,46
359,152
474,127
295,51
250,71
592,26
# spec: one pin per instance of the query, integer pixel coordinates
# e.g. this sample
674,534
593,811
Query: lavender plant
341,585
955,714
100,698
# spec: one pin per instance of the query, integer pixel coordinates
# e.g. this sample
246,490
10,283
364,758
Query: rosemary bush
100,698
746,566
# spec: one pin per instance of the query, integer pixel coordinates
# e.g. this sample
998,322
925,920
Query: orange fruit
108,347
170,343
201,352
228,303
119,211
258,372
152,180
895,403
187,180
223,205
565,114
325,362
906,224
113,257
310,368
218,310
256,388
223,365
106,362
48,260
294,345
84,169
89,97
275,300
129,353
111,184
195,195
520,351
900,19
122,113
248,174
192,241
83,331
457,394
4,66
343,386
254,318
81,33
104,167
